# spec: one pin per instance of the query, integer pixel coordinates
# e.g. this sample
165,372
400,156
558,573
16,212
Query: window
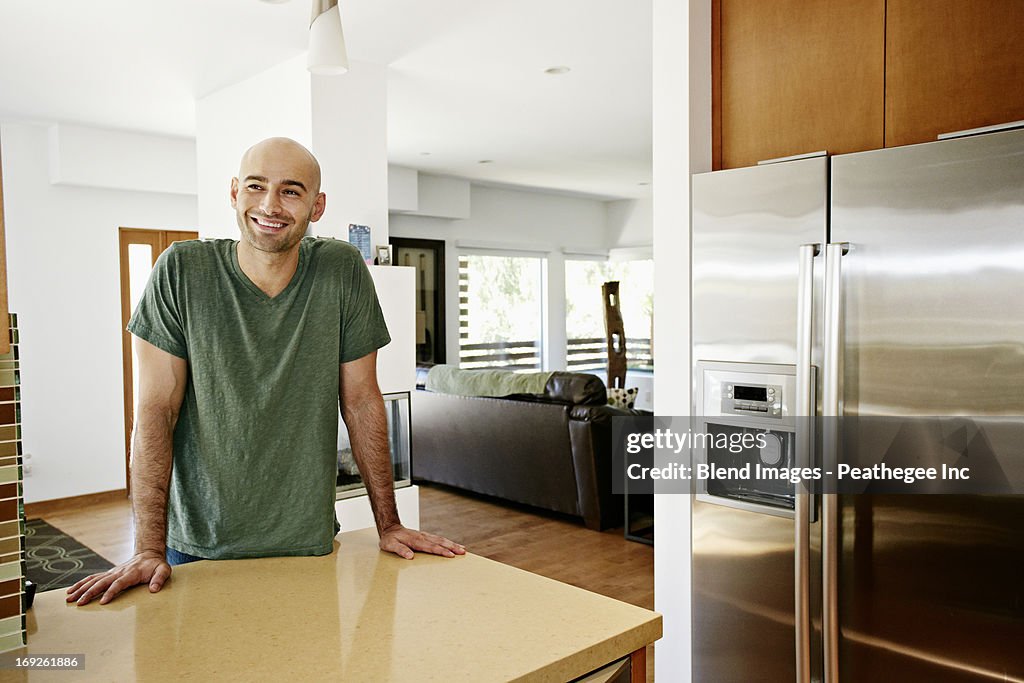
584,312
500,311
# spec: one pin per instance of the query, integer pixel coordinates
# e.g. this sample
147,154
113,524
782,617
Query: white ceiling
466,77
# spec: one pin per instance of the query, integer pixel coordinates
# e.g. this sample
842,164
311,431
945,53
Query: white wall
532,220
62,250
403,188
443,197
630,223
396,362
514,219
121,160
275,102
682,144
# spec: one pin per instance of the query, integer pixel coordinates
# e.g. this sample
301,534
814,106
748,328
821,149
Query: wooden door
139,250
952,65
796,76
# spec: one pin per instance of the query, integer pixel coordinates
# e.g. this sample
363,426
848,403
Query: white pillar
555,356
682,144
350,116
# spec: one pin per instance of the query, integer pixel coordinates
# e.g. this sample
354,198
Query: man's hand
402,542
146,567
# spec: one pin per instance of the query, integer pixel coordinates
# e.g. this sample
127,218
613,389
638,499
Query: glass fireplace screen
350,483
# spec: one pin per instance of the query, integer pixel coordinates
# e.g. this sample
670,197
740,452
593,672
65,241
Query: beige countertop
355,615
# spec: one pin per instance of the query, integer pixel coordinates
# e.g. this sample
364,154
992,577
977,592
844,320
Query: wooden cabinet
796,76
951,65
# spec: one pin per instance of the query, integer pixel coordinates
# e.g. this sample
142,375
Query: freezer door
748,225
933,324
743,623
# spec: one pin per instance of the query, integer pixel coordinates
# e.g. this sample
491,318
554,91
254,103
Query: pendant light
327,54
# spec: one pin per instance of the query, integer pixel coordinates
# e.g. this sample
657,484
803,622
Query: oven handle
804,410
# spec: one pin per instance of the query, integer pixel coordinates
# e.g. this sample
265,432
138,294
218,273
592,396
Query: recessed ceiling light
557,70
486,161
424,154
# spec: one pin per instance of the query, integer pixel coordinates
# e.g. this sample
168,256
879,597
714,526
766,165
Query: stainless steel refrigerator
883,283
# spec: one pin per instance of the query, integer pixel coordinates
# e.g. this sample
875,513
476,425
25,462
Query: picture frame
384,255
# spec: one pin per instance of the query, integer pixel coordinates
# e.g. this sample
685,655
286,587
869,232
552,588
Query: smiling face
276,195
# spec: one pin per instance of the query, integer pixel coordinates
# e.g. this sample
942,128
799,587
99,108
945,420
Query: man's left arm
362,408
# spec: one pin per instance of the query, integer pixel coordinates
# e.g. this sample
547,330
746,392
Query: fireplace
350,483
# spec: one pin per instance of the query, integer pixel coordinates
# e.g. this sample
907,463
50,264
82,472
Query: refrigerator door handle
831,382
804,410
831,410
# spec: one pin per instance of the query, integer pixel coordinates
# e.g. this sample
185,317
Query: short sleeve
363,329
157,319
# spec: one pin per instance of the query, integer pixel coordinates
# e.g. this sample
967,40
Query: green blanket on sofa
448,379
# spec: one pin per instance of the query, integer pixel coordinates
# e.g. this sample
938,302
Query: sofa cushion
448,379
576,388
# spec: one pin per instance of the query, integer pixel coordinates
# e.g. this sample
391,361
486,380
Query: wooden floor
546,544
559,548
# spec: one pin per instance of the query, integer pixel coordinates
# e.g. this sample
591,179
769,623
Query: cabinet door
952,65
798,76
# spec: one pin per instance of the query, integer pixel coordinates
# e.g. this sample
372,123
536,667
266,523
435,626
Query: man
244,351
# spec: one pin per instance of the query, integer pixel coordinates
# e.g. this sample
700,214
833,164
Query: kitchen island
355,615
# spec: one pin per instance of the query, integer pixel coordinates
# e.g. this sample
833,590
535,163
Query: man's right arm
162,378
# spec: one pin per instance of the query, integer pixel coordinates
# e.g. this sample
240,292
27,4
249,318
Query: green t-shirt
255,447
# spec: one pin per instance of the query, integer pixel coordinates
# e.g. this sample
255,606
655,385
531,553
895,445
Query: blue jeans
175,557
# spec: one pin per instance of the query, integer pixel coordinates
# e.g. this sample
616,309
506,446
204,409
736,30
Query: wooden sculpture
615,335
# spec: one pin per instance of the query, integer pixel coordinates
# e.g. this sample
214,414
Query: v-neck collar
259,293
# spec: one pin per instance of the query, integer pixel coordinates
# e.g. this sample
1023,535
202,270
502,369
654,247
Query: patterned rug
55,560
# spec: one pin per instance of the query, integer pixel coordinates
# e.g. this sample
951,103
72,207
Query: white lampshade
327,54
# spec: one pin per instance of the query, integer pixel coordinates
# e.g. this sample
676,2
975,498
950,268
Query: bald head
285,153
276,195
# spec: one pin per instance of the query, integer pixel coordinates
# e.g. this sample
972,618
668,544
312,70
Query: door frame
159,240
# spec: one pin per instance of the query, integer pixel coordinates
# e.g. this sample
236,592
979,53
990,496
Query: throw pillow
622,398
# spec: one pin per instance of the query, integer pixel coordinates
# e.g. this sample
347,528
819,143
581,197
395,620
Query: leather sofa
551,450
